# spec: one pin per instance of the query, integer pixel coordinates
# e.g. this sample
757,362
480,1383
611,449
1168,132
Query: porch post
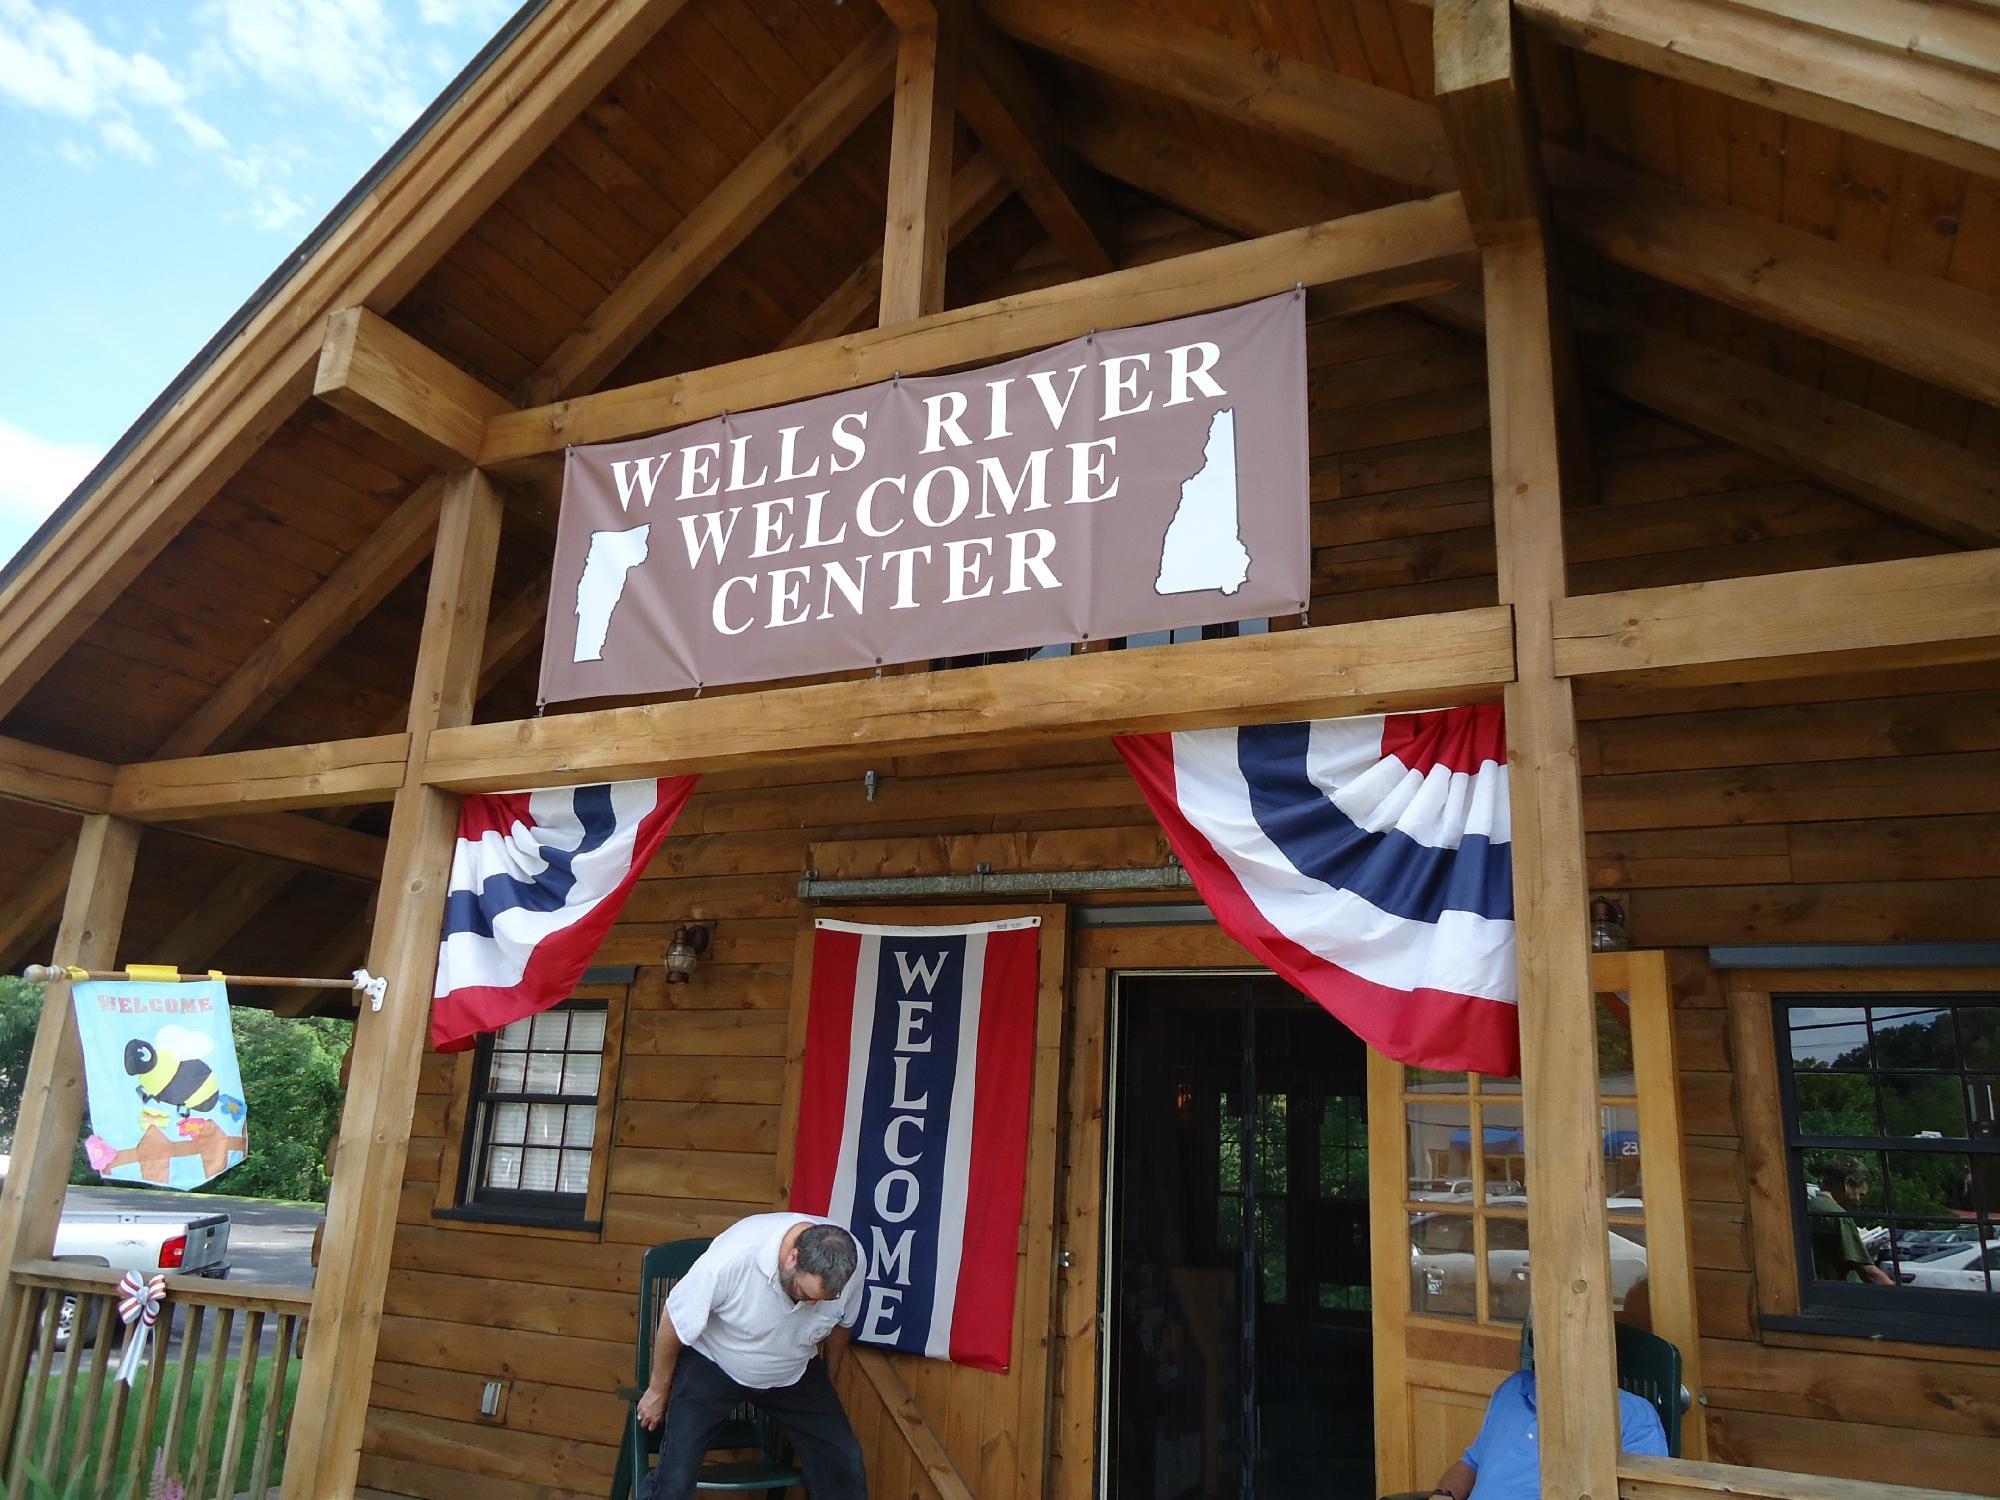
100,880
324,1453
1540,445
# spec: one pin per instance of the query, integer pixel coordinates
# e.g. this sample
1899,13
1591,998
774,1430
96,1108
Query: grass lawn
82,1457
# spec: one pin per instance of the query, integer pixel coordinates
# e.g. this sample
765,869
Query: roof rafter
1932,87
1886,464
1005,107
977,189
1922,326
720,222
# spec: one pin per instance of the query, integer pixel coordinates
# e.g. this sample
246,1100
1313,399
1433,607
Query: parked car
1958,1268
1444,1271
128,1240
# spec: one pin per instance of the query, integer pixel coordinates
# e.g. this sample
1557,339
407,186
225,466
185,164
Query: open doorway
1238,1340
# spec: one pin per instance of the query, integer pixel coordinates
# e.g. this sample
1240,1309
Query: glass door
1453,1271
1239,1314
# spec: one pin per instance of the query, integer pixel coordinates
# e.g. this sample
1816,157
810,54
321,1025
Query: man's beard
788,1280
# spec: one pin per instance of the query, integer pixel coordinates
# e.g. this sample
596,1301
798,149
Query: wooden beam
1898,470
205,786
511,636
1365,260
720,222
1925,78
506,118
34,906
366,577
977,189
1205,181
51,1108
325,1439
403,390
1534,413
1925,326
1489,121
1003,104
1328,671
1377,129
908,1419
919,207
1577,1391
1911,611
296,840
1494,145
226,909
53,778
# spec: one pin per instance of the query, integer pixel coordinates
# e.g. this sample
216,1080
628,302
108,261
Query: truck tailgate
207,1245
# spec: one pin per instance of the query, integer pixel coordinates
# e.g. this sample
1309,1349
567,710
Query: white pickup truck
126,1240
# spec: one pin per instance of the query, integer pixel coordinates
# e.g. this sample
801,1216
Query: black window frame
516,1205
1903,1313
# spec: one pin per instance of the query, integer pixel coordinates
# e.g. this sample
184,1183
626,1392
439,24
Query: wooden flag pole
360,981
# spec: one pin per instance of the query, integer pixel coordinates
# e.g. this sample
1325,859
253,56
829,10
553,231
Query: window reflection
1441,1265
1895,1128
1440,1166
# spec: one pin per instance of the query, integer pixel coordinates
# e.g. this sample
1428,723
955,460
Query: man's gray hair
828,1252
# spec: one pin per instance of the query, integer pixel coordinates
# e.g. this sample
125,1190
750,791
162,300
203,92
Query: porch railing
65,1415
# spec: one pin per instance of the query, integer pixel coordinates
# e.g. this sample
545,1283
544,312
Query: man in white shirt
743,1325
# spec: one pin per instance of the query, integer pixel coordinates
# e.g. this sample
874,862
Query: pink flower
101,1153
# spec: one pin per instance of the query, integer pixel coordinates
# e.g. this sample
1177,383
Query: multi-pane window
1892,1117
534,1112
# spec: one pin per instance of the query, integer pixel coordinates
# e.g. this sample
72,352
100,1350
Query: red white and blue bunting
1366,860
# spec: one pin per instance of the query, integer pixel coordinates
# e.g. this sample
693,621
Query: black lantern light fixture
690,942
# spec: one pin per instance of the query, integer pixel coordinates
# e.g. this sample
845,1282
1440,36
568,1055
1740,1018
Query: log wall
1850,810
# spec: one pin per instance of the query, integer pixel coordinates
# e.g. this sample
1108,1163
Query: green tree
291,1082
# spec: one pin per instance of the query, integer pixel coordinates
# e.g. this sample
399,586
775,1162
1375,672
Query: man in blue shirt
1504,1461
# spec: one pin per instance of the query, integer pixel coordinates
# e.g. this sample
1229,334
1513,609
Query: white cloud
49,60
262,173
346,52
315,60
485,14
36,475
122,136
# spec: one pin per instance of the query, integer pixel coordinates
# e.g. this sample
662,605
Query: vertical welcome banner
918,1068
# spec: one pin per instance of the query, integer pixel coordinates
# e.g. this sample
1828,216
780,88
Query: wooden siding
1721,815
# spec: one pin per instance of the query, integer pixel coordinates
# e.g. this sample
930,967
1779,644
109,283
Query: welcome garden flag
1367,860
166,1096
913,1123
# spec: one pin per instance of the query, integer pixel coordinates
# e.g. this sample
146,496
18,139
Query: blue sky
158,159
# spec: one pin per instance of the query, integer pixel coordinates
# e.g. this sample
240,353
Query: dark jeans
808,1412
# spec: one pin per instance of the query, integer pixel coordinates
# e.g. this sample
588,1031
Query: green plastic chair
746,1430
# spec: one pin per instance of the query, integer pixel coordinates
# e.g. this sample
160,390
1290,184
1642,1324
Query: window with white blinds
534,1112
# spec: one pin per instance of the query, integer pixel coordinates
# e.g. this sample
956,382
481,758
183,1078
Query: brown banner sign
1130,481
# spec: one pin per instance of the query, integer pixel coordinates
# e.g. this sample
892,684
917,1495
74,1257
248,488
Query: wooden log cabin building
1654,390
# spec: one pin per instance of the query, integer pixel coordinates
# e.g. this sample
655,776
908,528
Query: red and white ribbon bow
139,1302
